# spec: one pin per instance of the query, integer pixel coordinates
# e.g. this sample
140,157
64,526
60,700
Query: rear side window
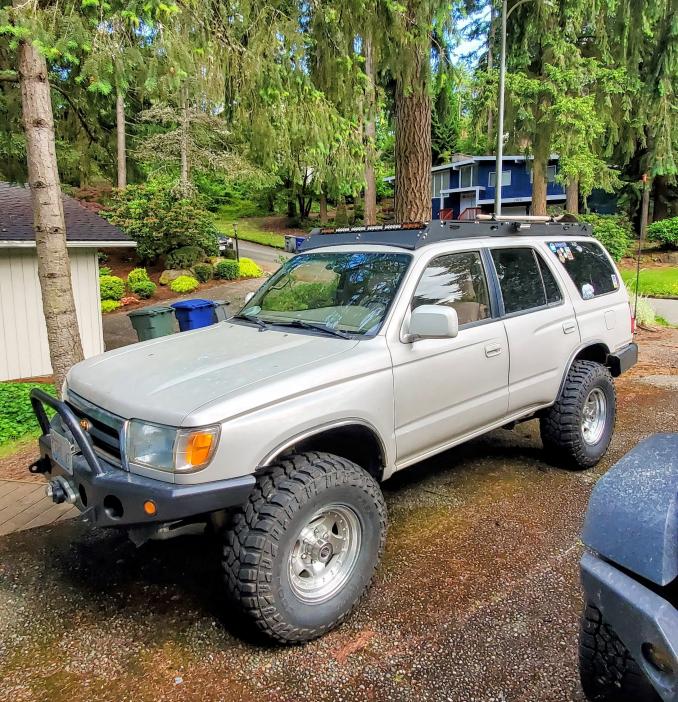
525,280
587,265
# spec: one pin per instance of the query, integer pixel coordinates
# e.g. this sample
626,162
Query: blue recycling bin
194,314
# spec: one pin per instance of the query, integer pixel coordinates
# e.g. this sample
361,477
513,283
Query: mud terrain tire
608,672
562,431
278,531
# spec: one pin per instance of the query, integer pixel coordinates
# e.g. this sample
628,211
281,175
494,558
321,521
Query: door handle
569,327
492,350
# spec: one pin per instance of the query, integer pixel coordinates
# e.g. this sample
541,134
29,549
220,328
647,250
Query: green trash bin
152,322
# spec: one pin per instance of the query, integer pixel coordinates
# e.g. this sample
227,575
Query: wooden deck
24,505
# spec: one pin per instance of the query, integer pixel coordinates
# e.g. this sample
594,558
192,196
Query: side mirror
248,297
433,322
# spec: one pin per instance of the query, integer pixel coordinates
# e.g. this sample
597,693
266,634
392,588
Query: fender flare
573,356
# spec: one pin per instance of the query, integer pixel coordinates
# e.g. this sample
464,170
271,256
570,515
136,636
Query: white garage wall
23,334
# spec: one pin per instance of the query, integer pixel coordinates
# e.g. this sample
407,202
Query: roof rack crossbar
415,235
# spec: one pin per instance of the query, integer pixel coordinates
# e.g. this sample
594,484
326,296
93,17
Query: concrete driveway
477,597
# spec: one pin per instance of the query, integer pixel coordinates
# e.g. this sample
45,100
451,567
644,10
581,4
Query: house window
505,178
466,176
439,181
551,172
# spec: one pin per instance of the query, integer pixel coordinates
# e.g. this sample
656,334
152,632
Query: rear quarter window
588,266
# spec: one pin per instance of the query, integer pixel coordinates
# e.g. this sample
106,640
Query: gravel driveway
477,597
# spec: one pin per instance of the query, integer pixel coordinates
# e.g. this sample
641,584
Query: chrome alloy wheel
594,416
325,553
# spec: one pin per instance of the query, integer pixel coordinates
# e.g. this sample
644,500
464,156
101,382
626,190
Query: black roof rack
416,235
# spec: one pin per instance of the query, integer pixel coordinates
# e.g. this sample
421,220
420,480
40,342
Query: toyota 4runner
372,349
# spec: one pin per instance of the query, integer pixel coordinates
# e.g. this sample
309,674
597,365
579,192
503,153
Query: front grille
105,429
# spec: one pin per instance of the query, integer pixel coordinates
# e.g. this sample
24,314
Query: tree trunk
185,184
291,206
660,197
54,270
539,170
645,207
572,197
323,207
370,135
122,145
413,145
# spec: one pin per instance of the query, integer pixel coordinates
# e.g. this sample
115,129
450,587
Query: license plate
62,451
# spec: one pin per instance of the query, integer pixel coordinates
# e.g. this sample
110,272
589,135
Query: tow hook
60,490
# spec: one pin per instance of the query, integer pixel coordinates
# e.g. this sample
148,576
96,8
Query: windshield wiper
315,327
254,320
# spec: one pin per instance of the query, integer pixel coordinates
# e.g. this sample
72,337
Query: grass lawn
655,282
249,230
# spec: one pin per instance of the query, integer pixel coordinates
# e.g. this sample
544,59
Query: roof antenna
643,224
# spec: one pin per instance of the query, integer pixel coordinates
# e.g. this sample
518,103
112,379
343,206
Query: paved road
261,254
665,308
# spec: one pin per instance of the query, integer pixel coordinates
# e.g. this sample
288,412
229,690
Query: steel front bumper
109,496
642,619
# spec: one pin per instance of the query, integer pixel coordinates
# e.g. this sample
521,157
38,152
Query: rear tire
579,426
302,552
607,670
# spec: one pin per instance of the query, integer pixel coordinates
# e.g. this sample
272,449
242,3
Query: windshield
344,292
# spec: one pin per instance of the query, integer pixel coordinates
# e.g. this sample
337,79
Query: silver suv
369,351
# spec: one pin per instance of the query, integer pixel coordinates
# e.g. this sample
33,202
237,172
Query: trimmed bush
137,275
110,305
184,257
105,270
203,272
249,269
665,230
111,287
144,288
183,284
16,414
612,231
226,270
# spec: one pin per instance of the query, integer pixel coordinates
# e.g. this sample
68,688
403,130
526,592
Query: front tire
607,670
579,426
302,552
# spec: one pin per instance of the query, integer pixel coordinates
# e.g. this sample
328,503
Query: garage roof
83,227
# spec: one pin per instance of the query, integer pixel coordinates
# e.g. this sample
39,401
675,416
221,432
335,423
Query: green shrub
612,231
111,287
16,414
203,272
183,284
110,305
226,270
137,275
184,257
144,288
229,253
105,270
160,222
249,269
665,230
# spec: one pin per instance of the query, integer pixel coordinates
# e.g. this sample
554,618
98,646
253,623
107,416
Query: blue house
466,186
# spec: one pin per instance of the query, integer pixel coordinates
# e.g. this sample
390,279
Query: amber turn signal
150,508
198,448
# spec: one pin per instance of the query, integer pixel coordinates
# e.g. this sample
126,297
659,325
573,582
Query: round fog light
150,508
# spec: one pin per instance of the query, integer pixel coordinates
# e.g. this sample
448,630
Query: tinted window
520,279
553,294
456,280
587,265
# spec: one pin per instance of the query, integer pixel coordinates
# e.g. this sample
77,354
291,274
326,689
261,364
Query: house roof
83,227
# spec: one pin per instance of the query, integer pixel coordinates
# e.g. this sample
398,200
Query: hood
165,380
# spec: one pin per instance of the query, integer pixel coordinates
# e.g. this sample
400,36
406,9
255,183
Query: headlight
168,448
